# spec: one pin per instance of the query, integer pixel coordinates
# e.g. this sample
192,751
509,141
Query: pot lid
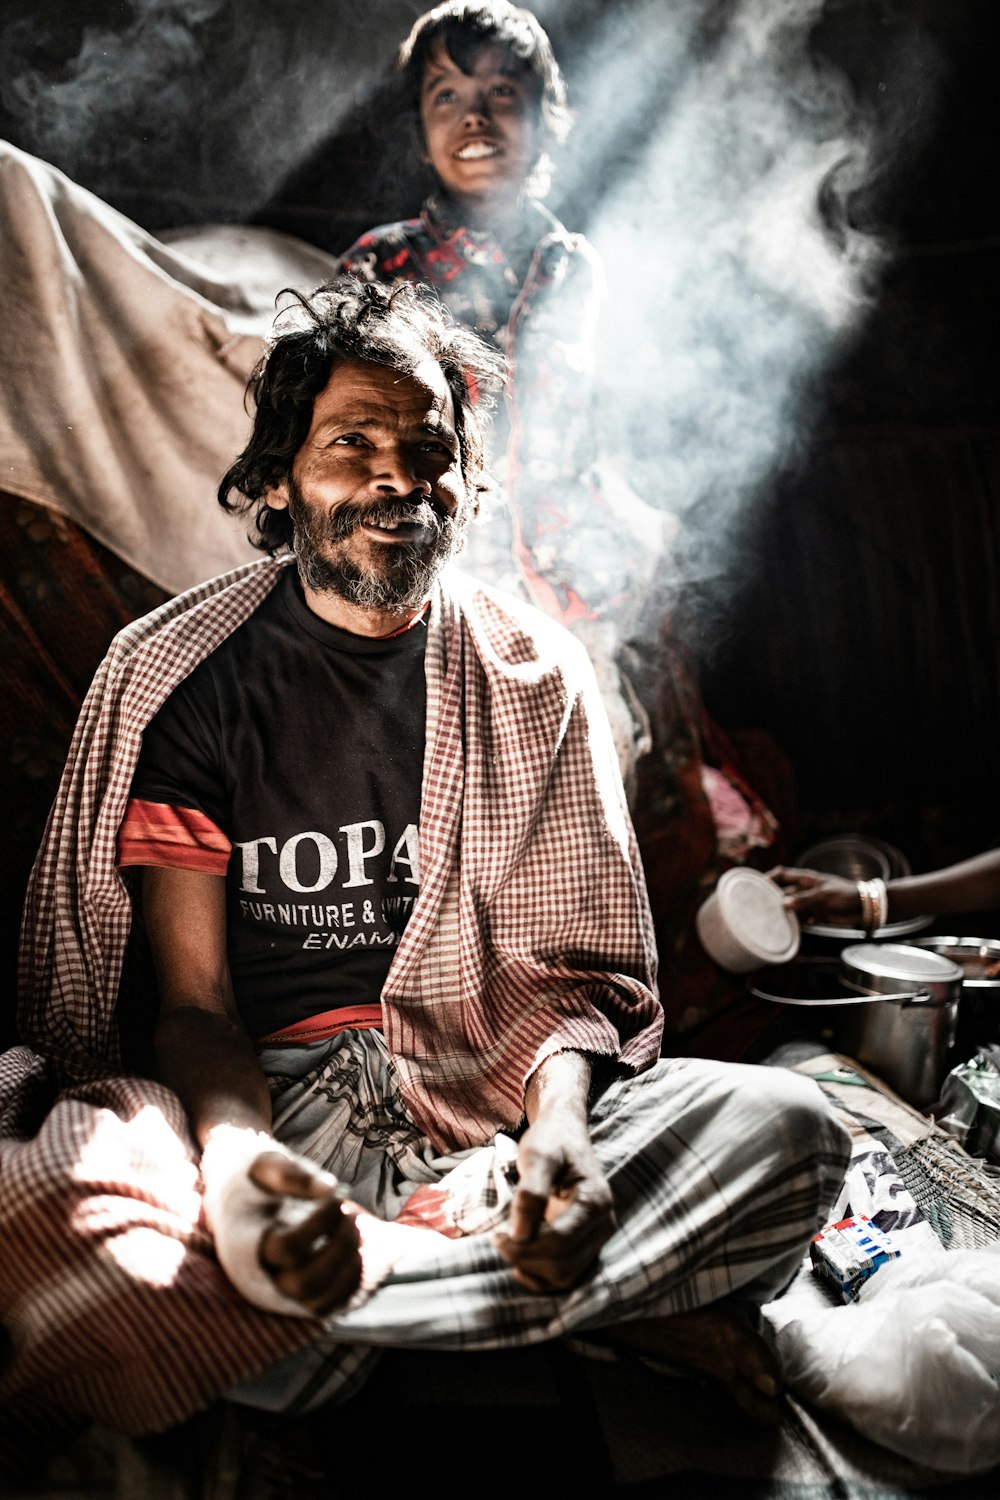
754,911
874,965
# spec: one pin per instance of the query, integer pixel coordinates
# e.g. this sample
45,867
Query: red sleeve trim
172,838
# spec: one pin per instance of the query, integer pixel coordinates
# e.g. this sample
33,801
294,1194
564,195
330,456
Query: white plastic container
744,925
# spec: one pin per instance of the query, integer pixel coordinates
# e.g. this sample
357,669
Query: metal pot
979,1012
904,1027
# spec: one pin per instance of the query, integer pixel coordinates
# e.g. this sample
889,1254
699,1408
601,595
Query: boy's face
480,128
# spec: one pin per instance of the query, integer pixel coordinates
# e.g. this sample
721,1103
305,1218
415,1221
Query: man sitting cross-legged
405,977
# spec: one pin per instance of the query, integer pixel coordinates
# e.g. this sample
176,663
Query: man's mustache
384,514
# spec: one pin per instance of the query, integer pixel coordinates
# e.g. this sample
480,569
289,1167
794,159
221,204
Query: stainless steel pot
979,1012
903,1024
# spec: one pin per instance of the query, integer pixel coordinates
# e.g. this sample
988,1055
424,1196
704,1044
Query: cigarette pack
846,1253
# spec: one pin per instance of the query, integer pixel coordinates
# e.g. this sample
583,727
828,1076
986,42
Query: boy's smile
480,128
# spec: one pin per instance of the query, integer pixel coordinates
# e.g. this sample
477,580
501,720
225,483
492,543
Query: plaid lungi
720,1172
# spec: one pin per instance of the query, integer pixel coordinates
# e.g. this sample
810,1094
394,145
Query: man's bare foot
717,1342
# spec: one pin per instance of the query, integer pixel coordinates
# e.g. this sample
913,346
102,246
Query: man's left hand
562,1212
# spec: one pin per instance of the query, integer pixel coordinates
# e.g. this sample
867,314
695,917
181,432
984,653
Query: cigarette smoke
735,272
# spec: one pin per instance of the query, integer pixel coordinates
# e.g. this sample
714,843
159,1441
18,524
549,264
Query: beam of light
721,165
713,164
143,1201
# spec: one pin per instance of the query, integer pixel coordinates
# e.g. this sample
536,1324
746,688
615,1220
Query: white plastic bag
914,1363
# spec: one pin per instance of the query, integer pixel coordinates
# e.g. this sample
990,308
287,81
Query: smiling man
376,496
371,813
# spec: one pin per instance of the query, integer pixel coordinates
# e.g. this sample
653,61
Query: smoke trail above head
730,154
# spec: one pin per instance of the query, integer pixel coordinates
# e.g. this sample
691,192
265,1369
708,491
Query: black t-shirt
304,744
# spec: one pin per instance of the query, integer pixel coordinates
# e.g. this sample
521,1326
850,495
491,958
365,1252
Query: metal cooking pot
904,1028
979,1012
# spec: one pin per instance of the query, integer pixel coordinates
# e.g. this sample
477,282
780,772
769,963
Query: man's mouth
477,151
415,523
402,530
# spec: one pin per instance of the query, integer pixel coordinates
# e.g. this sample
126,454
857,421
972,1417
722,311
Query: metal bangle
880,898
874,904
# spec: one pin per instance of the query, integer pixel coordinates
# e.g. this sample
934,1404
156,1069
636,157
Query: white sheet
124,361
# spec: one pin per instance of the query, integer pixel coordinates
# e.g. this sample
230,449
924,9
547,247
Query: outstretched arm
971,885
562,1212
204,1054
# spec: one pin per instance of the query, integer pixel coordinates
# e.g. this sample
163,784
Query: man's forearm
560,1083
211,1065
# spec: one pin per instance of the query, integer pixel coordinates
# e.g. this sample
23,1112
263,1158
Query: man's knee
805,1112
800,1137
764,1119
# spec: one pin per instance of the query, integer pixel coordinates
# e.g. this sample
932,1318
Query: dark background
854,616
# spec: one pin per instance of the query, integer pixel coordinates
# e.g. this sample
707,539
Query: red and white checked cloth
531,934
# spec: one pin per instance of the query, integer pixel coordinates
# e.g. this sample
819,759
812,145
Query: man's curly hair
346,319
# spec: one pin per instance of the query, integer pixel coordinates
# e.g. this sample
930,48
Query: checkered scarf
532,931
531,934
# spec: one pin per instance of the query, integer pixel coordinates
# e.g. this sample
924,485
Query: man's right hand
283,1233
316,1260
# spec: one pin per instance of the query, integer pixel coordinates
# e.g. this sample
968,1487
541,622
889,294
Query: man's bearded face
392,576
376,496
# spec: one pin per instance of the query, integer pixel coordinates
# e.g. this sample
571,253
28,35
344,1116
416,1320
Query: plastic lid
752,906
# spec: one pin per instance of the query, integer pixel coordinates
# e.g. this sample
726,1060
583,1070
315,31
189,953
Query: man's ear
276,495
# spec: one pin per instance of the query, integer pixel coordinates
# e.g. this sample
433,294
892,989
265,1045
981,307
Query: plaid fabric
110,1292
720,1173
77,913
532,933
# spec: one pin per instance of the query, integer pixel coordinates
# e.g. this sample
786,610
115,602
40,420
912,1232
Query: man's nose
396,473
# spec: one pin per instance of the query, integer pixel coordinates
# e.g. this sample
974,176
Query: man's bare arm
202,1049
204,1054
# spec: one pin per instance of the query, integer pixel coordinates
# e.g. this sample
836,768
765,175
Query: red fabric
172,838
130,1319
320,1028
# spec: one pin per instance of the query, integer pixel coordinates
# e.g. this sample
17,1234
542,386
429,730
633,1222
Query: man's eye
348,440
439,449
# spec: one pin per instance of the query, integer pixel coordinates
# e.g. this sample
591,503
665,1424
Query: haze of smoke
729,287
137,100
714,158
